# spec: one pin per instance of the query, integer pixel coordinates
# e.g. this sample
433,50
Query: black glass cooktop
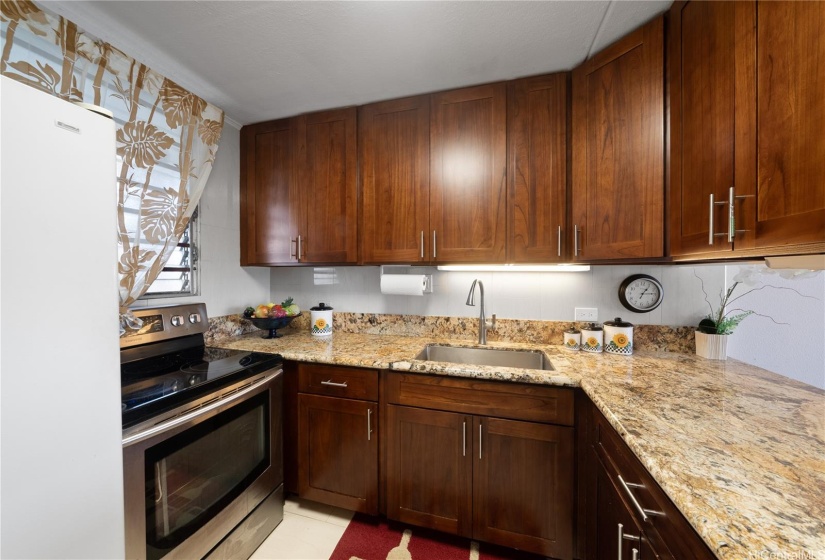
157,384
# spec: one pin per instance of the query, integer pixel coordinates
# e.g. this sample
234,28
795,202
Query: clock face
641,293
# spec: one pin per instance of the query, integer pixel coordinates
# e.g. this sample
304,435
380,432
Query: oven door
191,479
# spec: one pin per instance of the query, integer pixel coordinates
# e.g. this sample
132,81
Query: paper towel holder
403,269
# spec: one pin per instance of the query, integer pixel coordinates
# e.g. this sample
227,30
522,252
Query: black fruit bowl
272,325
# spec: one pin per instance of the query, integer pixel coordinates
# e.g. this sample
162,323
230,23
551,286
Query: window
180,275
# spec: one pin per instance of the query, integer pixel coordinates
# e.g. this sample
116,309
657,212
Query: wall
225,286
550,296
796,348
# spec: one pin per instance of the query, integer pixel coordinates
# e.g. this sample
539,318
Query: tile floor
309,531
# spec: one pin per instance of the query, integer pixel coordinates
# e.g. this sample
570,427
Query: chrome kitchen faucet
483,325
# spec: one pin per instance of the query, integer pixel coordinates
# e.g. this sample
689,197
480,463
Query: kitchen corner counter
739,450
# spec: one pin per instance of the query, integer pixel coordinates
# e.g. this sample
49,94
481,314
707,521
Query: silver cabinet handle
293,254
575,240
624,537
711,234
464,439
635,554
435,253
422,243
369,424
479,440
299,247
559,242
642,511
332,384
710,220
733,197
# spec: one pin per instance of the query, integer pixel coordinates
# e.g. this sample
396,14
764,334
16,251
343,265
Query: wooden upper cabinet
702,93
468,177
394,151
537,152
790,122
746,117
268,200
327,154
618,149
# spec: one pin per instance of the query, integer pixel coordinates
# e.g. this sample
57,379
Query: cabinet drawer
536,403
665,527
338,381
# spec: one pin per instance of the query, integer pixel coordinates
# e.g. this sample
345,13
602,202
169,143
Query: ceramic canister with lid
592,338
618,337
320,320
572,339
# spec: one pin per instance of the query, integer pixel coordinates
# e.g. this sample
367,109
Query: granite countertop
739,450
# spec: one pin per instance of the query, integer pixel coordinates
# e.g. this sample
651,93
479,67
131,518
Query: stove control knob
177,320
194,318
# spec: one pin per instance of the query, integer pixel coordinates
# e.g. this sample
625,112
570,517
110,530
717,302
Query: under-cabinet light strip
515,267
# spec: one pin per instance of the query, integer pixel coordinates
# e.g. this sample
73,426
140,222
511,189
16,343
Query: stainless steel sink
523,359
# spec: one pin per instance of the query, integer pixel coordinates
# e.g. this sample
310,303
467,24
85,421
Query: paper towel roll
404,284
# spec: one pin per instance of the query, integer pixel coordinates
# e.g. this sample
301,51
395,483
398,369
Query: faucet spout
482,317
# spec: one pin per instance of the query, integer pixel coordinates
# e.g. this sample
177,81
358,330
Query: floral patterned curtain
167,137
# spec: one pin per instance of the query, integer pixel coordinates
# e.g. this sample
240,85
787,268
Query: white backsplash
550,296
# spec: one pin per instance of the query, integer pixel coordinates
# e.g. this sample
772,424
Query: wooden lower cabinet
506,482
338,452
616,533
625,509
523,486
429,463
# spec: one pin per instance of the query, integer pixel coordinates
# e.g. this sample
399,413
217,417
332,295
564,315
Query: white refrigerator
61,462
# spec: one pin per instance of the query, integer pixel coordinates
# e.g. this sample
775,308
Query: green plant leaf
728,324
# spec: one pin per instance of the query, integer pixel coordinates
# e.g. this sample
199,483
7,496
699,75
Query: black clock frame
626,284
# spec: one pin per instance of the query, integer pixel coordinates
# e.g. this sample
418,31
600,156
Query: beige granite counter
740,451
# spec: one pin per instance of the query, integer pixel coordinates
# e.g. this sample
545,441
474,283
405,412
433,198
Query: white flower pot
712,346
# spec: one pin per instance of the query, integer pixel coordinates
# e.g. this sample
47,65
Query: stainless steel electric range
202,440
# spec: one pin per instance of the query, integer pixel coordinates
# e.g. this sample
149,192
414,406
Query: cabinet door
537,152
430,469
523,486
702,93
268,195
394,139
618,149
327,159
338,446
469,174
790,84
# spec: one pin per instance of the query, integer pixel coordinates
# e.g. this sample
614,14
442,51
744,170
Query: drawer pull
464,439
624,537
479,440
330,383
642,511
369,424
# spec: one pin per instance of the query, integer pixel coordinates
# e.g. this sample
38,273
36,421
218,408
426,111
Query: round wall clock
641,293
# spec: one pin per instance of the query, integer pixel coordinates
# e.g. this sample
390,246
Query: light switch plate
587,313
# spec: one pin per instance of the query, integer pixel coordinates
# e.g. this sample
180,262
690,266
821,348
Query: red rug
372,538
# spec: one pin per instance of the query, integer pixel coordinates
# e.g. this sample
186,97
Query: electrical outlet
587,314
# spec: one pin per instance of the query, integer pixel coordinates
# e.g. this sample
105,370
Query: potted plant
712,332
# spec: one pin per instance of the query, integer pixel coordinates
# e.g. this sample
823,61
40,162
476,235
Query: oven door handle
197,412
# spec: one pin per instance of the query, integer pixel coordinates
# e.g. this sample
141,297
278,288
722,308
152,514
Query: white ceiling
261,60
